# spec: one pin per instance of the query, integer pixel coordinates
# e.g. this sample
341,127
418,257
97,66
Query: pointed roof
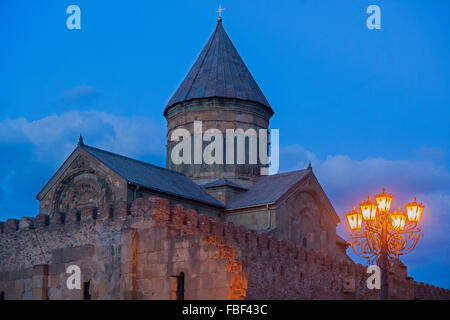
153,177
262,191
219,71
140,174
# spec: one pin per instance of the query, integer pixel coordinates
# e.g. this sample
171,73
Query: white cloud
81,94
431,153
342,175
54,137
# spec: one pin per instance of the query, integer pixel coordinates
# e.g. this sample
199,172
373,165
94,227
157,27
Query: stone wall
139,253
256,218
263,267
188,204
35,253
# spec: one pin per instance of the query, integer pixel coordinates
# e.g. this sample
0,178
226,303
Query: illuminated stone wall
137,253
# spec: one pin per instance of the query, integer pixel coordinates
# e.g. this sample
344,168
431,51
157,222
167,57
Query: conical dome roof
219,71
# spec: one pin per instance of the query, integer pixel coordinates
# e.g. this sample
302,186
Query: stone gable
81,182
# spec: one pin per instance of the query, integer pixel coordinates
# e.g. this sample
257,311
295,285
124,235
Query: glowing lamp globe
384,201
398,219
368,209
354,219
414,211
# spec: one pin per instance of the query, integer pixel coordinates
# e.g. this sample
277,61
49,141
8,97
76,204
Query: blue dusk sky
368,108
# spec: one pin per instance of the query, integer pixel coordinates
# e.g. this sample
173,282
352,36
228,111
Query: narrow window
2,295
86,287
180,286
305,243
177,292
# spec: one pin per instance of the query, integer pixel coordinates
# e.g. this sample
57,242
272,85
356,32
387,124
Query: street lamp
381,236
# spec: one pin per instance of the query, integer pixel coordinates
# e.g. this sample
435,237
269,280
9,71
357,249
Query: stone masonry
138,253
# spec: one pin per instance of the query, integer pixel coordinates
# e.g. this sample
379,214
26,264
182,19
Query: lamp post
381,236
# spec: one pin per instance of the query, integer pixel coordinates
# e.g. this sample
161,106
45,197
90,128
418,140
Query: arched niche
83,187
305,220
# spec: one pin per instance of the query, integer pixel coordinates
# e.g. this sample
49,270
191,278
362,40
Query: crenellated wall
139,253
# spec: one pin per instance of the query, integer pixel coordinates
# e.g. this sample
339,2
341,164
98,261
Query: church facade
191,230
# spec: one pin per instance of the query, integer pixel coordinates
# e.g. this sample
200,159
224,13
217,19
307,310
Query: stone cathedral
188,231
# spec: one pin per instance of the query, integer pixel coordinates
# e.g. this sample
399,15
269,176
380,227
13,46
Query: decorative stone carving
85,192
81,190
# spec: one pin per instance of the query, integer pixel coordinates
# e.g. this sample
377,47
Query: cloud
295,157
32,150
80,95
54,137
431,153
347,181
343,175
402,176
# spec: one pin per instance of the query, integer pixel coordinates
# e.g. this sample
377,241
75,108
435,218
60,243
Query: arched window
305,231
